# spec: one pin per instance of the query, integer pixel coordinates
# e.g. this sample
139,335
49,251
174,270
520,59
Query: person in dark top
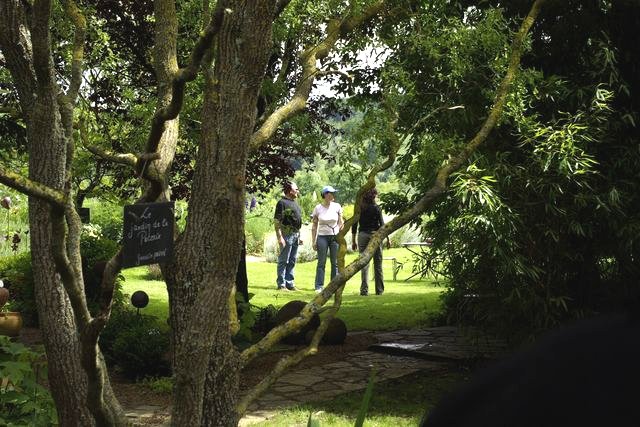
370,221
288,220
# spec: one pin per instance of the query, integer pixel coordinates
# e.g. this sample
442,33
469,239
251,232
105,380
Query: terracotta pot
4,296
10,323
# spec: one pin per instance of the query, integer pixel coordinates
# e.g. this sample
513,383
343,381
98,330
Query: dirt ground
132,395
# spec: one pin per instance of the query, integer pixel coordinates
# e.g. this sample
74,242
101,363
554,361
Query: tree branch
336,29
395,143
517,47
79,21
182,77
16,47
32,188
127,159
41,40
285,363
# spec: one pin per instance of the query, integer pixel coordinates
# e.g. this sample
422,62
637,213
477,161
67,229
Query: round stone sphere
139,299
336,332
291,310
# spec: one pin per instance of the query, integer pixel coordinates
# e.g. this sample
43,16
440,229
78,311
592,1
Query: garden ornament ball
6,202
139,299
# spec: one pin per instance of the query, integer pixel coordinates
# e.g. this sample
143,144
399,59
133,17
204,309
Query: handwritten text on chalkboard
148,233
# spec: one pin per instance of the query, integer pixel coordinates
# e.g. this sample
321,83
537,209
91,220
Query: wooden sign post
147,237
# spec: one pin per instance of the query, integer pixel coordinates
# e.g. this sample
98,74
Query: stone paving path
430,349
328,381
443,343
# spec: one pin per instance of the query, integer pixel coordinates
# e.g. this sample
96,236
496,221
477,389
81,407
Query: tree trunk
57,324
25,44
202,276
67,379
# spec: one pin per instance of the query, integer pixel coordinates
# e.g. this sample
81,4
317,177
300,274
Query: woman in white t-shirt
327,222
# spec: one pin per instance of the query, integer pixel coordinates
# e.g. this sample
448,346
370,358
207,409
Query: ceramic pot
4,296
10,323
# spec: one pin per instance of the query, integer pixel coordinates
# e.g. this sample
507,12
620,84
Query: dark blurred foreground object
587,374
242,281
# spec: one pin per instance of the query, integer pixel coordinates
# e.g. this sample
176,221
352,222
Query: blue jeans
287,260
326,244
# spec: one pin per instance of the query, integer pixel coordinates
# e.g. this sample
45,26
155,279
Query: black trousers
363,241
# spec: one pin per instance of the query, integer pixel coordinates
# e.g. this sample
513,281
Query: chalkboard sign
85,215
148,233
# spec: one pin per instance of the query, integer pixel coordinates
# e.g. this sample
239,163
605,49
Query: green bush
404,234
17,275
265,319
136,344
271,250
96,250
23,400
162,385
154,272
109,216
255,229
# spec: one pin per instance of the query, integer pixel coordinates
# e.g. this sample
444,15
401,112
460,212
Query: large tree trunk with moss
57,324
202,276
25,44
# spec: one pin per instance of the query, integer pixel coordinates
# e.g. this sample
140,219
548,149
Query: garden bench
396,265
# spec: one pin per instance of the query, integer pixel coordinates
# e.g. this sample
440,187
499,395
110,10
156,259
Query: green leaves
23,401
472,187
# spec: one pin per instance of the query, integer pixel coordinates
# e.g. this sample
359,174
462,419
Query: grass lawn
397,403
404,304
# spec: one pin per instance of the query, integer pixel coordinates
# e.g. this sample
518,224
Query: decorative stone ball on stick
5,202
139,299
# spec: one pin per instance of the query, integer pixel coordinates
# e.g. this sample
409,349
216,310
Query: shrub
271,250
404,234
246,320
265,319
141,351
154,272
96,250
136,344
17,274
255,228
162,385
23,400
14,221
107,215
